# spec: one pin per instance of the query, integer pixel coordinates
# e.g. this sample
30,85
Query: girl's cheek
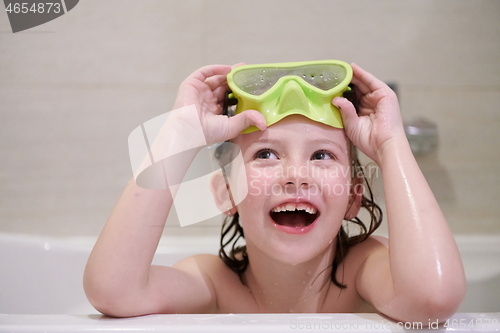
332,182
260,181
264,181
334,189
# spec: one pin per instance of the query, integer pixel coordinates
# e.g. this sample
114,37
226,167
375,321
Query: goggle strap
351,96
229,100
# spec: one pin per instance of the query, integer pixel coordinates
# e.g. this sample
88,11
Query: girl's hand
206,89
379,121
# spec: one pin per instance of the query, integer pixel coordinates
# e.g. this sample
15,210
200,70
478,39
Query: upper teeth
290,207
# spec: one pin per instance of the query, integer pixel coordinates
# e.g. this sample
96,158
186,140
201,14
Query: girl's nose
297,182
296,176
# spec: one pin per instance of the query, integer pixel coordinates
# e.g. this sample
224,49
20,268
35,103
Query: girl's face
299,186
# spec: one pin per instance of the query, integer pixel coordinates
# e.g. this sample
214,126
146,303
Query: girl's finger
238,64
361,87
205,72
220,93
244,120
347,111
358,82
365,81
216,81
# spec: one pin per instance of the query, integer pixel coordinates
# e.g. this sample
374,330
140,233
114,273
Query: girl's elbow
439,305
428,305
442,299
110,305
97,297
449,297
442,307
101,297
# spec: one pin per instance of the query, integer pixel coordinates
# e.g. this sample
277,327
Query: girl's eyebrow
328,142
265,141
315,141
270,140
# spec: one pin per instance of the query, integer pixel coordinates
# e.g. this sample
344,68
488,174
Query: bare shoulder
367,260
373,244
374,247
207,265
349,299
230,293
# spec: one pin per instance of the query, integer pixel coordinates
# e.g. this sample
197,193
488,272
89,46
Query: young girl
298,257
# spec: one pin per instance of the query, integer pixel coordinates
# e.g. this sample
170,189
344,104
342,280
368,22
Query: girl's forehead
295,129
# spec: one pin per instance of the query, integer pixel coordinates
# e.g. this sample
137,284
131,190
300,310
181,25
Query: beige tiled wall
72,90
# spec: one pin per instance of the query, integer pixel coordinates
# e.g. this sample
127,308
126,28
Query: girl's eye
322,155
265,154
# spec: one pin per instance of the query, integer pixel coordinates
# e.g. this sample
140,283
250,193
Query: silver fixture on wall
422,135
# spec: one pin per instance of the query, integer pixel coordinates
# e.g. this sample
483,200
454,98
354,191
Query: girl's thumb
347,111
244,120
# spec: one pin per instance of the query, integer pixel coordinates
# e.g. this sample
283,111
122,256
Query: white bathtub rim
367,322
167,245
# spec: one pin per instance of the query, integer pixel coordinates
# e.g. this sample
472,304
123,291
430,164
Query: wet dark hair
232,232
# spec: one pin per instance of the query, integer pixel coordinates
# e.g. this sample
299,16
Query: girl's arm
420,277
119,279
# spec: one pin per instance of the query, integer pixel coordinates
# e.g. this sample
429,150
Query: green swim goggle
279,90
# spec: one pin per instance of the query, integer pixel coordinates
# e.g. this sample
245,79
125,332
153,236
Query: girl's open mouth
296,215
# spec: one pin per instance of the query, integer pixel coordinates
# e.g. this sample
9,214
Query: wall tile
73,89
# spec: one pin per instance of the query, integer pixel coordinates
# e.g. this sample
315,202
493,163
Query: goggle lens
256,81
